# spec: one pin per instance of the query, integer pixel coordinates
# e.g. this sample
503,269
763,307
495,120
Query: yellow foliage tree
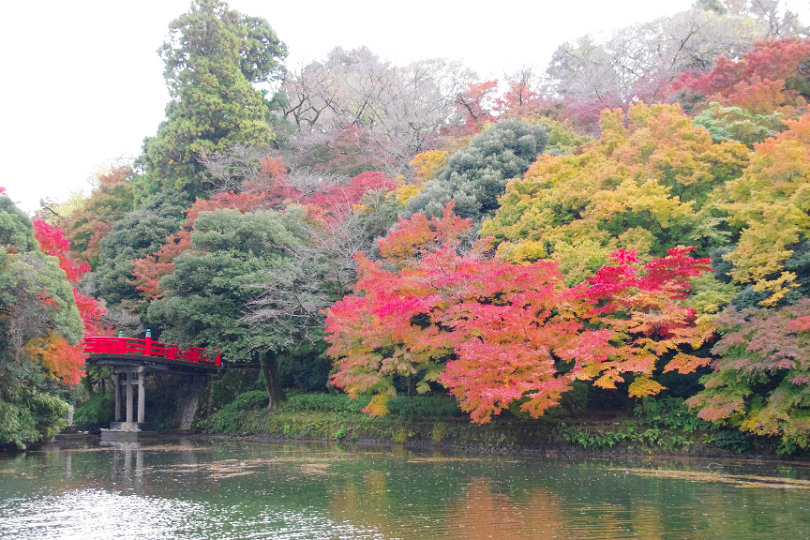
645,185
770,202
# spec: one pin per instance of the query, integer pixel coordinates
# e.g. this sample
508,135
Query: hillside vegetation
631,225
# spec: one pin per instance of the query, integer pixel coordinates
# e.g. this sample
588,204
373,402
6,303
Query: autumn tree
769,203
757,82
524,96
373,349
593,73
476,105
645,186
112,197
354,112
52,242
213,56
495,333
760,375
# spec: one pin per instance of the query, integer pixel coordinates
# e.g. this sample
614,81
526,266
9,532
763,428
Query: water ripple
100,514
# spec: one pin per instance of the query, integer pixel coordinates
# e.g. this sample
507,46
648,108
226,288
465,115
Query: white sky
83,84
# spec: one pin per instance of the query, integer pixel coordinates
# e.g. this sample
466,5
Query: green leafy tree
729,123
213,57
204,301
476,176
137,234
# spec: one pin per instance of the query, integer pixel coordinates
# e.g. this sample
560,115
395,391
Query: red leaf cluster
58,357
53,242
755,82
339,200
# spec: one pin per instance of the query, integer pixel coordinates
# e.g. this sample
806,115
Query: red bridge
146,347
131,359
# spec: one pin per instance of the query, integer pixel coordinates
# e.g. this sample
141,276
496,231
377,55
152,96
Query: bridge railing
149,347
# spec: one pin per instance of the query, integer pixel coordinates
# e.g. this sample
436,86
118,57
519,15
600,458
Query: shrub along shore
663,426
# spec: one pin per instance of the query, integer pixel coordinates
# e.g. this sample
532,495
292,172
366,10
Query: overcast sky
83,84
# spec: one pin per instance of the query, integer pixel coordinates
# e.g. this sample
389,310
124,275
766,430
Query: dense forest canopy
633,217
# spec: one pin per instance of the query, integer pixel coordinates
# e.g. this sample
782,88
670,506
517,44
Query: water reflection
482,512
221,489
126,468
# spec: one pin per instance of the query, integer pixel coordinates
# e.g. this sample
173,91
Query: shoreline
505,436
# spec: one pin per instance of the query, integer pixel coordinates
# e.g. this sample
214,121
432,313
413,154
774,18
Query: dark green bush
223,387
250,400
670,412
340,403
230,418
731,439
96,411
402,406
306,369
436,406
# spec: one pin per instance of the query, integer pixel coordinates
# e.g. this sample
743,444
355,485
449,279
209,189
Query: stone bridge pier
126,378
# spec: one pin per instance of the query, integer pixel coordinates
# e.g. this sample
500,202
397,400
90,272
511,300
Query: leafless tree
639,62
319,272
399,108
231,169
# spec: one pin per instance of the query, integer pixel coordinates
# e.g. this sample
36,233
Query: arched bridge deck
112,351
131,359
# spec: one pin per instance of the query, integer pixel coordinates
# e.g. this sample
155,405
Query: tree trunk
269,367
411,384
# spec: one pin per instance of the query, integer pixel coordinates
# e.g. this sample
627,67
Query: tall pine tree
213,56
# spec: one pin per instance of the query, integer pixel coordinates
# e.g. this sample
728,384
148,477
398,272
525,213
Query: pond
215,488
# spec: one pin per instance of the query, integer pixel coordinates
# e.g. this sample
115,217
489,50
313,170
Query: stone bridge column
117,379
141,396
129,396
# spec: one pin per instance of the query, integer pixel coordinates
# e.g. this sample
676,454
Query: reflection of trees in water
365,503
559,500
482,512
424,496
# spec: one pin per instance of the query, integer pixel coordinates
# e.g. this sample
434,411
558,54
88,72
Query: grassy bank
654,426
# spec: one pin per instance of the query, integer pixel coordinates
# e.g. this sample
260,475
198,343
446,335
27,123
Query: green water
226,489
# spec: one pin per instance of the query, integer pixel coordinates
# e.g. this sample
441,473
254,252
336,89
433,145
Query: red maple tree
495,333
